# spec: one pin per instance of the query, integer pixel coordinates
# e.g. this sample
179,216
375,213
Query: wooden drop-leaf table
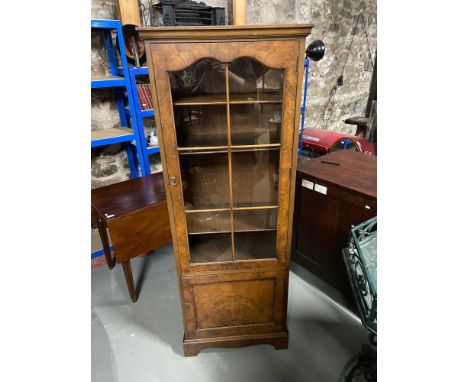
135,213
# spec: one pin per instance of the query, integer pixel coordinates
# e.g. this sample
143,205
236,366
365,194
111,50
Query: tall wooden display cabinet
227,102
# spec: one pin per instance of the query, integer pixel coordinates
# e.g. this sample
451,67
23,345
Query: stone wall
334,24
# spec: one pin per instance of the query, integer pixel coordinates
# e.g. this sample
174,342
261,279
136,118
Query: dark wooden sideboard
333,192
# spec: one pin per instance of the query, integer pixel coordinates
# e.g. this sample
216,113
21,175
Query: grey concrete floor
142,342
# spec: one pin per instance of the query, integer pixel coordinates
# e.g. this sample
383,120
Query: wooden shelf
235,231
234,99
224,149
254,245
110,136
219,221
210,248
111,133
249,98
216,248
204,141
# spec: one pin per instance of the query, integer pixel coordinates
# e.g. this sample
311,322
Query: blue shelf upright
140,115
128,132
304,100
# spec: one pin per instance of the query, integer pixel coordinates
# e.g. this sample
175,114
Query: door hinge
290,172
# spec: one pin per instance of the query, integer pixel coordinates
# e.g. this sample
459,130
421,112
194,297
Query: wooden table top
354,171
121,198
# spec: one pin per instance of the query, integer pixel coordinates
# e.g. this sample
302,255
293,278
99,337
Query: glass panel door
227,118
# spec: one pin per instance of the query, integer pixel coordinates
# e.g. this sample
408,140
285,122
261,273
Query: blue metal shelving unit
140,115
119,80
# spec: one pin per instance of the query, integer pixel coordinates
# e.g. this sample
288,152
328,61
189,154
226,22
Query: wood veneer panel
226,32
234,303
276,47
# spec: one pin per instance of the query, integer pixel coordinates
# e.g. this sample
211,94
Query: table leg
127,268
105,243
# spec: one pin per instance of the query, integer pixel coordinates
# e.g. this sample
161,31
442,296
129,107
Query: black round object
316,50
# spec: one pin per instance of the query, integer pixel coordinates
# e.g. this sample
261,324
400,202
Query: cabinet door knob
172,181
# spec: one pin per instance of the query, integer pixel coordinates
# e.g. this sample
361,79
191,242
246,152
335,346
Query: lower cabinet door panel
235,304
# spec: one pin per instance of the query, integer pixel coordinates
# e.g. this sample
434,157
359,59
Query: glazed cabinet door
234,304
226,118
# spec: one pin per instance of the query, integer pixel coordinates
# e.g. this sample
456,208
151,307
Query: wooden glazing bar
253,147
236,99
253,208
208,210
239,230
204,148
228,116
202,152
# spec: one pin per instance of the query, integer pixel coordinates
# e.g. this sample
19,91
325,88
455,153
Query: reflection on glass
201,122
255,220
205,77
205,181
196,92
210,248
249,79
198,126
255,178
254,245
255,124
255,234
208,222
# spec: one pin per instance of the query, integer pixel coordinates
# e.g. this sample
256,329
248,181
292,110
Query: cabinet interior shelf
250,208
220,224
235,231
234,99
247,246
223,149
